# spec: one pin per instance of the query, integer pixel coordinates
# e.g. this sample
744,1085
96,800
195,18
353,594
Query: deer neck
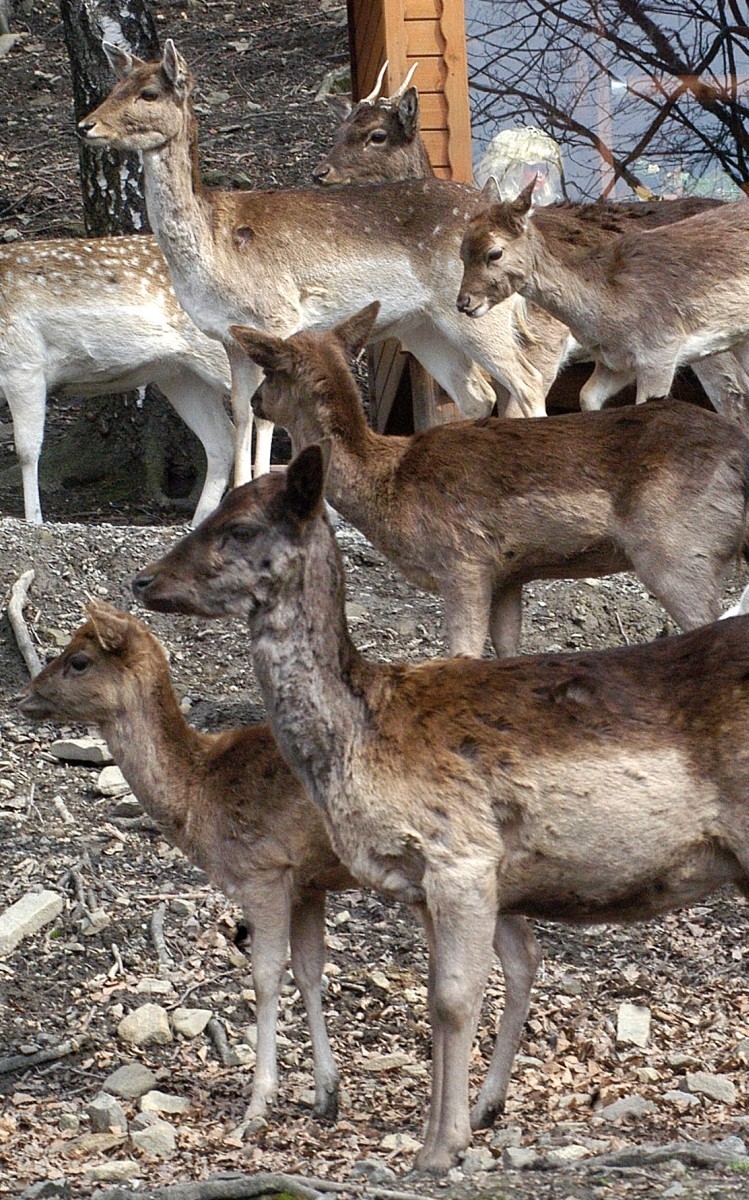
158,753
567,282
312,677
177,204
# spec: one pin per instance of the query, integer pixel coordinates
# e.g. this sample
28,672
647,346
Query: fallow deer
228,801
644,303
291,260
475,509
593,787
380,140
89,317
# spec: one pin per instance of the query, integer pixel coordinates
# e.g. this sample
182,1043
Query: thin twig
19,1062
18,597
622,630
156,926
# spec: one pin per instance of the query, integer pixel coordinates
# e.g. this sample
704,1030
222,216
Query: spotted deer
475,509
644,303
93,316
230,804
585,788
290,260
380,140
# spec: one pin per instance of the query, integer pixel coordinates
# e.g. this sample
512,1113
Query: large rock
130,1081
112,782
632,1025
89,750
26,917
715,1087
146,1026
162,1102
157,1139
106,1115
190,1021
627,1106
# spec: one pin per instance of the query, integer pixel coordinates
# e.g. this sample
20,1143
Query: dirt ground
77,977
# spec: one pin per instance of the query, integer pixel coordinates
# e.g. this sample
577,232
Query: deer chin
35,707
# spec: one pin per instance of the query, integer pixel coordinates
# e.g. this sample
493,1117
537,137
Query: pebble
511,1136
742,1052
627,1106
158,1139
632,1025
119,1170
92,1143
682,1100
106,1115
674,1189
94,922
127,806
715,1087
130,1081
27,916
191,1021
478,1158
564,1156
156,1101
69,1122
520,1158
112,782
400,1141
146,1026
89,750
374,1171
385,1062
153,986
733,1145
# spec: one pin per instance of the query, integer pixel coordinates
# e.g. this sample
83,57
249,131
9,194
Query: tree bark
112,182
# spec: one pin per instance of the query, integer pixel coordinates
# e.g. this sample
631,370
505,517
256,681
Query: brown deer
290,260
594,787
380,140
93,316
230,804
475,509
643,303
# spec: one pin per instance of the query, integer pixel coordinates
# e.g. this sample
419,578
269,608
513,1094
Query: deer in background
230,804
595,787
380,140
289,260
91,317
643,303
475,509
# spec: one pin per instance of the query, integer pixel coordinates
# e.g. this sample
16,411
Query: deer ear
305,480
523,203
340,104
121,61
408,113
175,67
490,191
270,353
354,333
111,627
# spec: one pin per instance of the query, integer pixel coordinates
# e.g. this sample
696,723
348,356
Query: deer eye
378,136
241,533
494,256
149,94
78,663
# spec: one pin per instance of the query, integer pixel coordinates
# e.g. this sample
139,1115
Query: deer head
378,141
146,107
94,677
495,251
245,555
302,369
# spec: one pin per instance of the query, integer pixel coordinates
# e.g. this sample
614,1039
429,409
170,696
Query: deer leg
687,588
452,369
655,381
462,933
602,385
307,961
268,917
204,414
506,619
467,607
519,954
726,383
263,443
246,377
26,393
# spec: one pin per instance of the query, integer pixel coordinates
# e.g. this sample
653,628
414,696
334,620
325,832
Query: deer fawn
290,260
380,140
228,801
475,509
643,303
592,787
84,318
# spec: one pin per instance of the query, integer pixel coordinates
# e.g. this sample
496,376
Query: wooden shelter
431,33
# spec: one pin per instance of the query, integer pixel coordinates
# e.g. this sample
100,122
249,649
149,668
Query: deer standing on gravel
643,303
95,316
230,804
380,140
291,260
475,509
594,787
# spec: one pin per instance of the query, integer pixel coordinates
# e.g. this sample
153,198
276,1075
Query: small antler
399,92
372,97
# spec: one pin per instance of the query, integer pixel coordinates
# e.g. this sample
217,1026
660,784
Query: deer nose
465,302
320,172
86,125
141,583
